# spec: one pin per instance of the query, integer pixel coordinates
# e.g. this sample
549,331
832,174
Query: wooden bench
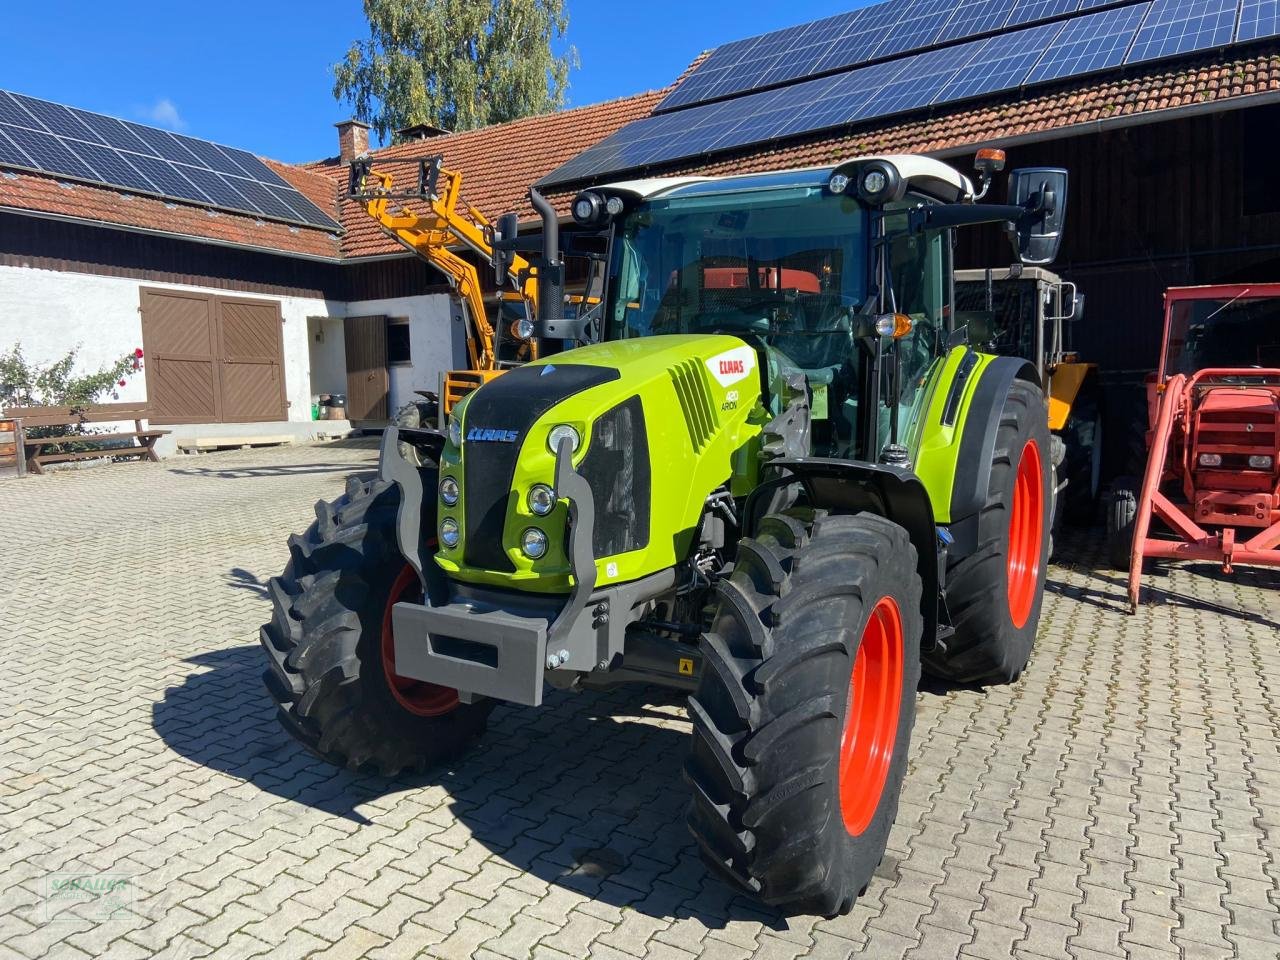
141,440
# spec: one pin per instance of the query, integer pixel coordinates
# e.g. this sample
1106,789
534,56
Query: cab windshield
785,265
1244,332
787,269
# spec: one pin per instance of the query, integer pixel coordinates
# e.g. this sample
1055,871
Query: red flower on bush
138,353
122,383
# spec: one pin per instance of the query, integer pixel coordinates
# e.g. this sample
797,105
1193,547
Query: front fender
894,493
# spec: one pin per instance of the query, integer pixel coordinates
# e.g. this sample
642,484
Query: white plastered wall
49,312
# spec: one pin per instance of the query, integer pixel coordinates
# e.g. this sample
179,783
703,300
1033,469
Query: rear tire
1122,512
807,696
994,594
328,641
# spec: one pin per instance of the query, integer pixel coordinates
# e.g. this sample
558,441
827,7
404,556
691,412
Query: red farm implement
1212,478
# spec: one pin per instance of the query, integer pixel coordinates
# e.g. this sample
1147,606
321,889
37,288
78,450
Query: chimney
353,139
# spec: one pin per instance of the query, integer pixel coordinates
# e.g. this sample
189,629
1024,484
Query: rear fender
980,422
848,486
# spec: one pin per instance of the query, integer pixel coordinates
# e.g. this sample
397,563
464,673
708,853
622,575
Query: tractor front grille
617,469
506,408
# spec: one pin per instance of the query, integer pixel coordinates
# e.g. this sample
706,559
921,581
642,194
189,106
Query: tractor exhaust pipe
551,271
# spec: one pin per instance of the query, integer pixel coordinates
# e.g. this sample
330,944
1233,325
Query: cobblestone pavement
1122,799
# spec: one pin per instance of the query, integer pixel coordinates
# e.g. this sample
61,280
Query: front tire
994,594
330,660
803,714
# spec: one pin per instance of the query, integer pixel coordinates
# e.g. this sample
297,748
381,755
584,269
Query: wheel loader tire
1122,512
994,594
804,709
1082,465
416,413
330,663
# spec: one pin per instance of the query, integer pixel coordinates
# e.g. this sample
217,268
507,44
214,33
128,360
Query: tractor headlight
542,499
1210,459
455,431
533,543
874,182
838,183
449,532
449,491
562,432
1262,462
614,206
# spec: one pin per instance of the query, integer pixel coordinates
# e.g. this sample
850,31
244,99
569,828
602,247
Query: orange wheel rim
1026,534
417,696
871,718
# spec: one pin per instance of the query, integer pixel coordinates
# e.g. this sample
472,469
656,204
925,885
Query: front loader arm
431,232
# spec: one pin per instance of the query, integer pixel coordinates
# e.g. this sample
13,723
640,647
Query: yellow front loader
433,221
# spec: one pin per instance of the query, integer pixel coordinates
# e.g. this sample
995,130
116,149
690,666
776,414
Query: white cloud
163,113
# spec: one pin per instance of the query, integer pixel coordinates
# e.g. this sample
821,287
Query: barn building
1165,112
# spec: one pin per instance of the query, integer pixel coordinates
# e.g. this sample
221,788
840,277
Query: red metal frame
1222,500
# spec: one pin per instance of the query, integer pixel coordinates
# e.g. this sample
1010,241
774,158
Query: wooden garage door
250,371
212,359
180,340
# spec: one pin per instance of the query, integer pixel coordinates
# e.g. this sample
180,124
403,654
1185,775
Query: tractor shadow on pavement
583,793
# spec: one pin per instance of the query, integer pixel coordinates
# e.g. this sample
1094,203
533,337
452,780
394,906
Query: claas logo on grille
489,435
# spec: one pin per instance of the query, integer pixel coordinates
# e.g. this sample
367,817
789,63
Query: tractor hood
660,424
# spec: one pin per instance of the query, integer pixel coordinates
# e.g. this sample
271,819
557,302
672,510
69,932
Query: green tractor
765,471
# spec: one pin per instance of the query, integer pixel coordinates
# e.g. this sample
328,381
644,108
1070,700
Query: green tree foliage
457,64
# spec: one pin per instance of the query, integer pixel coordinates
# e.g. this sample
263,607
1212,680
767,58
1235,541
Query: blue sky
256,74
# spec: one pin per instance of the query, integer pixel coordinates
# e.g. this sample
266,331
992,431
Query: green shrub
25,384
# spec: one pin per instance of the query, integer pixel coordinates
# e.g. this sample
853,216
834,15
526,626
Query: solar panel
56,118
1029,11
64,142
13,112
110,131
11,153
1258,18
1183,26
168,179
973,17
216,187
1093,42
860,39
917,85
112,166
209,155
1001,64
917,27
49,153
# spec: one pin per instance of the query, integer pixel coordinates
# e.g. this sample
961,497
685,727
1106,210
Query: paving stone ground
1121,800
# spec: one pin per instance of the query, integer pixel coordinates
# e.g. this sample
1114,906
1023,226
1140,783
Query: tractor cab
823,282
1211,488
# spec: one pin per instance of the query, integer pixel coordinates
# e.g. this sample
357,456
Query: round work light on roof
588,208
879,183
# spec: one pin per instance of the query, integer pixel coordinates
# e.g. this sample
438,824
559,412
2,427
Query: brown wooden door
367,381
180,339
250,370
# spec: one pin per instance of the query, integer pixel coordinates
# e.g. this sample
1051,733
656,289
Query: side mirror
504,239
1042,194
